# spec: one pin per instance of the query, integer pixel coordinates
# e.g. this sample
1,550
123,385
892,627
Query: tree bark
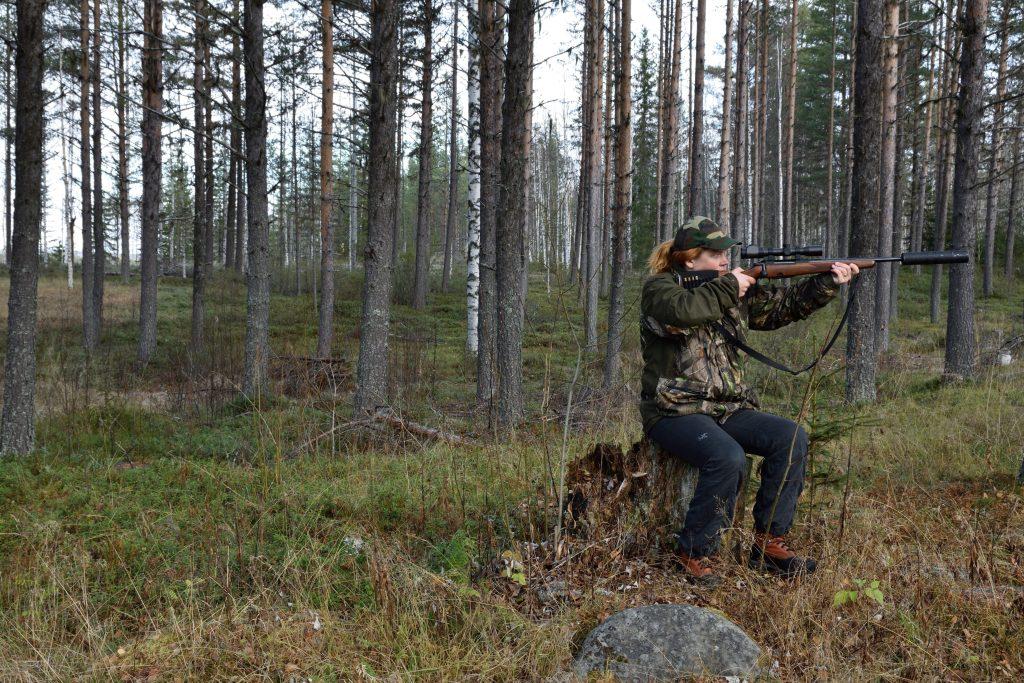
257,280
152,97
89,332
1011,214
943,161
860,350
592,242
739,183
199,227
669,138
788,212
122,146
694,203
724,159
353,196
99,229
17,432
490,159
325,331
371,383
512,213
453,157
8,147
961,346
887,188
995,167
623,193
421,280
231,219
238,124
830,236
473,170
921,165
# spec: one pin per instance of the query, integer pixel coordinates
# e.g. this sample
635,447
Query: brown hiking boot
697,569
770,553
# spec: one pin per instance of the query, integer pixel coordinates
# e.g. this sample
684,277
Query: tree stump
633,501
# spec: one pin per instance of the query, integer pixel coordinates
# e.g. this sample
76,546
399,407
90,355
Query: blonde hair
662,257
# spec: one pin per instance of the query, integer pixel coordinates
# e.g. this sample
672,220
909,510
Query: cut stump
635,500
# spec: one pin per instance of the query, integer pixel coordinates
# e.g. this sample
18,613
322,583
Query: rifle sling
757,355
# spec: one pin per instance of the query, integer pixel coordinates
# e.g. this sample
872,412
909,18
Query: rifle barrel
770,270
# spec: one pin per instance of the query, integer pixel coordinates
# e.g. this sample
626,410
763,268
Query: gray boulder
665,643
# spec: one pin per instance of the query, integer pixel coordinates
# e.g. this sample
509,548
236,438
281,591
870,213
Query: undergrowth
167,529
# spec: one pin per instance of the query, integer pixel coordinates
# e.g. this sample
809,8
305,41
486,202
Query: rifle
771,270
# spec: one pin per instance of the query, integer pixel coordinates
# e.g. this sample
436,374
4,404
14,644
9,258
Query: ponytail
662,258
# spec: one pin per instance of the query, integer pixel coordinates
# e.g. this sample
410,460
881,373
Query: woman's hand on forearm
842,272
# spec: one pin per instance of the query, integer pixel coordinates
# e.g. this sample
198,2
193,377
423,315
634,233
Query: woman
695,405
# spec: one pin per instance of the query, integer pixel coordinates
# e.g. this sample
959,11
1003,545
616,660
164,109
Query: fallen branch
385,415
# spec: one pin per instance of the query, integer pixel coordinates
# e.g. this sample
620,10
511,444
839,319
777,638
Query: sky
557,52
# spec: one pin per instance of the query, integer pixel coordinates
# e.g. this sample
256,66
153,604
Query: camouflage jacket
689,367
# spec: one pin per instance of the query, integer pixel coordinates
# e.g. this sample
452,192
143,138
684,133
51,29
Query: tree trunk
788,213
739,183
231,220
325,331
238,124
8,147
199,227
152,97
371,383
1011,214
490,159
89,332
623,192
594,196
122,146
961,346
694,204
669,139
512,214
943,161
473,170
921,172
830,236
257,280
886,195
453,157
353,196
724,170
421,281
17,432
99,229
860,350
995,167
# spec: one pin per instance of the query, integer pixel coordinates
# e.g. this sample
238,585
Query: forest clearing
166,529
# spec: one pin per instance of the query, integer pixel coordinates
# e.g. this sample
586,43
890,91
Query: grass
166,529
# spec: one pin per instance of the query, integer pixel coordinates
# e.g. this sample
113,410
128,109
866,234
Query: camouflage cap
701,231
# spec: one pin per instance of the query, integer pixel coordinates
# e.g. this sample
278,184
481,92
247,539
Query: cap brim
722,243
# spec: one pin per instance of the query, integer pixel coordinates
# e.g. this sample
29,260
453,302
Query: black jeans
718,451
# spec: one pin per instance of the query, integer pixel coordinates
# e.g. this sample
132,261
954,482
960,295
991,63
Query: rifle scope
754,251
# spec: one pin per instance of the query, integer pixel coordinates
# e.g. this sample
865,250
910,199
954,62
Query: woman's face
710,259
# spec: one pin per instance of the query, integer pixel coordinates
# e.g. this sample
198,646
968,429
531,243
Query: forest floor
168,530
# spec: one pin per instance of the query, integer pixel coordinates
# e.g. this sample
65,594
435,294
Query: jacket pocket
678,394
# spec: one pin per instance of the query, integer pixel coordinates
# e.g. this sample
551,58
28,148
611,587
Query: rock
996,595
552,592
665,643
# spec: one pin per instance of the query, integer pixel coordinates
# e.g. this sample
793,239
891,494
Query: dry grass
166,531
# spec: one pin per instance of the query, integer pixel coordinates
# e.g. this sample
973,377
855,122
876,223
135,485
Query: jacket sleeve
670,304
770,308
